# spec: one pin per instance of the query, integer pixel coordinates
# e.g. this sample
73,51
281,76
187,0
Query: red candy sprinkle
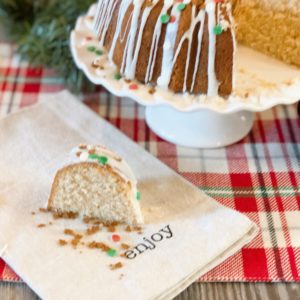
133,86
115,237
172,19
88,38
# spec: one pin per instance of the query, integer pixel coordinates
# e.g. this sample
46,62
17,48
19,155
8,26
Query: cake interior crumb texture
270,26
93,191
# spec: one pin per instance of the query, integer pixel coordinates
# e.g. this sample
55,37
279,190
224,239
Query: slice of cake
270,26
185,46
96,183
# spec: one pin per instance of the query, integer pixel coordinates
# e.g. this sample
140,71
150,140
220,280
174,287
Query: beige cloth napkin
191,232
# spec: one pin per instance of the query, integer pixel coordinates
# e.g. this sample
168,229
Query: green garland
42,28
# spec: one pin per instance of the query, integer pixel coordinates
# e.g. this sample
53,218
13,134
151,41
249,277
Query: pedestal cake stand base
199,129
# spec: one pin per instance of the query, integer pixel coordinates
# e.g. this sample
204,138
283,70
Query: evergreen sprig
42,28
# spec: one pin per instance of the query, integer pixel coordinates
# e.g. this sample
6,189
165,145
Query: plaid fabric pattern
259,176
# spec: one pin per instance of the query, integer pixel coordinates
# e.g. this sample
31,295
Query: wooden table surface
207,291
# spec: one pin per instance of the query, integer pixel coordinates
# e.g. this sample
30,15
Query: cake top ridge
100,155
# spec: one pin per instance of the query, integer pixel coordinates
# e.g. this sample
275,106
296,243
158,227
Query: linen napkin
186,233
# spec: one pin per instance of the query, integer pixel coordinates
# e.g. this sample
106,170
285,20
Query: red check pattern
259,176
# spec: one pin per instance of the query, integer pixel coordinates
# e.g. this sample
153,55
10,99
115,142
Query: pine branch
42,30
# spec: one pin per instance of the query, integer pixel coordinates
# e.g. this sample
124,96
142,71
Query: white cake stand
188,120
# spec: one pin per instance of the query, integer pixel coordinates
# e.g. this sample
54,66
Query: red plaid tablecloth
260,176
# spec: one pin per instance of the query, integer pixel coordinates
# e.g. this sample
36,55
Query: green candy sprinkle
138,196
117,76
99,52
218,29
101,159
91,48
165,18
111,252
181,6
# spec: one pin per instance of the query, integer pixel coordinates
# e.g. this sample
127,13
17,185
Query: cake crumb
33,213
96,65
50,223
137,228
69,232
91,220
43,210
152,91
86,220
128,229
98,245
125,246
108,224
65,215
116,266
92,230
41,225
62,242
111,229
75,241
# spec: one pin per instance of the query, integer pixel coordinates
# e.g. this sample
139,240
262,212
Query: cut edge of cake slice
96,183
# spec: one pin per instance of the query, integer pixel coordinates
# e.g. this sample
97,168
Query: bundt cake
96,183
183,45
270,26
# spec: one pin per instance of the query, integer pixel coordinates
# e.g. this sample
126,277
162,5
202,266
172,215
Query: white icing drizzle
154,45
123,33
190,40
213,84
97,17
114,161
132,67
103,19
135,30
228,7
126,67
104,23
165,78
122,10
199,48
168,50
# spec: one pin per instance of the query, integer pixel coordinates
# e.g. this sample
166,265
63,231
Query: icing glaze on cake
186,46
94,153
